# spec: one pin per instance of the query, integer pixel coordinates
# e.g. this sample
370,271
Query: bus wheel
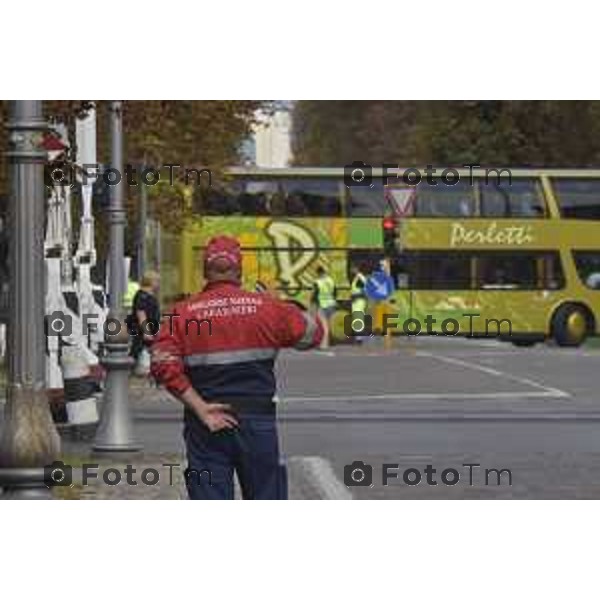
570,325
524,343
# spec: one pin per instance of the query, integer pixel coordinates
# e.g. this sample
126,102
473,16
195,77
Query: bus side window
219,202
578,198
253,204
433,270
507,271
254,197
276,204
365,201
520,271
312,198
295,206
522,198
443,200
220,199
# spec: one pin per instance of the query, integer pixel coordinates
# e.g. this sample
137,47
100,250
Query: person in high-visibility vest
358,296
324,298
132,289
129,295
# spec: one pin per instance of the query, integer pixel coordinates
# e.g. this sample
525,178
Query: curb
318,475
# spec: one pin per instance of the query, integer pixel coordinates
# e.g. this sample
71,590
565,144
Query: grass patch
73,492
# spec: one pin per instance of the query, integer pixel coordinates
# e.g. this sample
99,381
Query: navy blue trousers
251,451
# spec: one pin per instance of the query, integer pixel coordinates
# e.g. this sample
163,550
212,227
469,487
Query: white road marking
453,342
485,353
544,390
549,393
568,353
523,352
323,477
555,392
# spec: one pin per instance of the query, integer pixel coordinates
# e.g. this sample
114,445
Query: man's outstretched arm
298,328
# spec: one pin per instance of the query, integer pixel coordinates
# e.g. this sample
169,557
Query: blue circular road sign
379,286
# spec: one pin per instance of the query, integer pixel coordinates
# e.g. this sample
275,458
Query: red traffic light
389,223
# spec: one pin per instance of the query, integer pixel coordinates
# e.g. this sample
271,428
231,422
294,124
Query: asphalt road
431,401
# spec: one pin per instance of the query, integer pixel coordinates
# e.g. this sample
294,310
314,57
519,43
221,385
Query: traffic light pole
30,440
115,432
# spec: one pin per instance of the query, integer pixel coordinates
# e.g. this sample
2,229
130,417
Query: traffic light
390,236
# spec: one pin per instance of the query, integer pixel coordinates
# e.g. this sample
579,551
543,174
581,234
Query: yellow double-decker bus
510,253
289,222
518,248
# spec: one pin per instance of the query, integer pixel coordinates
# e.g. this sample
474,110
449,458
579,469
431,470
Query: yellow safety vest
326,287
132,289
355,288
357,293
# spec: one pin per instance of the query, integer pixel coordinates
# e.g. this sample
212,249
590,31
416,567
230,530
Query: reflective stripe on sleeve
230,357
161,356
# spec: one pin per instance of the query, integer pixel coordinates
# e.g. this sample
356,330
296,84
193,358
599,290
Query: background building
271,142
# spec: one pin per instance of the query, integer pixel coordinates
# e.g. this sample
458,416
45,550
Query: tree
515,133
192,134
188,133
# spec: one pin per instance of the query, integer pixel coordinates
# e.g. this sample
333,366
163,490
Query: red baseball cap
224,249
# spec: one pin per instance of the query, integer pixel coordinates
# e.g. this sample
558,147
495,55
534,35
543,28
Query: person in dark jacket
216,352
145,314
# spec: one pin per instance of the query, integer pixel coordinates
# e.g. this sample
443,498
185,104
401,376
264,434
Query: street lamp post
141,233
30,439
115,431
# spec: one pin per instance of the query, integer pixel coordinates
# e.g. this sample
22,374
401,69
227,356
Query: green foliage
515,133
192,134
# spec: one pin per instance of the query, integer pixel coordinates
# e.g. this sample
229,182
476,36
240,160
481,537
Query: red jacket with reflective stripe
224,341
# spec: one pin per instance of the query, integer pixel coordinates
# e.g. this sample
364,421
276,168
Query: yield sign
401,200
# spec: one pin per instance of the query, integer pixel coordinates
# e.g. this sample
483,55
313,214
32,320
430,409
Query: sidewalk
157,419
308,479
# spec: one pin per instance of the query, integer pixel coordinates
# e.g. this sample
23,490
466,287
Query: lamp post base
115,431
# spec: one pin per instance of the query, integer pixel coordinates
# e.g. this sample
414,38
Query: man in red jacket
216,353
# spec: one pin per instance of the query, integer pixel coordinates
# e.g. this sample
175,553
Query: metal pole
158,247
30,440
141,245
115,432
117,219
